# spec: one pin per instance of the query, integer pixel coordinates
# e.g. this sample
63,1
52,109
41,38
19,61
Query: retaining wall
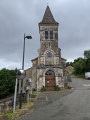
7,103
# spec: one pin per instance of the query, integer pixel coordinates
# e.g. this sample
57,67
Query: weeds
9,115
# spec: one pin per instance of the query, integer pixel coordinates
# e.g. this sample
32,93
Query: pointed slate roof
48,17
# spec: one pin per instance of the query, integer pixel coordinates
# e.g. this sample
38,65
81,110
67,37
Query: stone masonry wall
6,104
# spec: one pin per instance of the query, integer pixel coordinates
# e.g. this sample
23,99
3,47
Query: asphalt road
74,106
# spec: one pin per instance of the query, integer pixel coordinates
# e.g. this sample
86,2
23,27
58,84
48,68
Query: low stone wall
6,104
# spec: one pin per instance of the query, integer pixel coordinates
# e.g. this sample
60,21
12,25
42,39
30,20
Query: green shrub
42,89
79,76
57,88
7,82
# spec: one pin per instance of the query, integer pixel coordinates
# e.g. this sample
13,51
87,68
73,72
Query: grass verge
53,91
9,115
79,76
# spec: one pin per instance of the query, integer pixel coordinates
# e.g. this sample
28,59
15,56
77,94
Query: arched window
46,34
51,34
50,72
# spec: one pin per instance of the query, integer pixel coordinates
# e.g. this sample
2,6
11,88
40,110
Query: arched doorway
50,81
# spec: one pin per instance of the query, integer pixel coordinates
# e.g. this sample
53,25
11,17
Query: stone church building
49,68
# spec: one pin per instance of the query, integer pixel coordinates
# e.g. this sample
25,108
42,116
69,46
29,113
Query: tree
77,60
87,65
7,82
79,66
87,54
87,60
69,64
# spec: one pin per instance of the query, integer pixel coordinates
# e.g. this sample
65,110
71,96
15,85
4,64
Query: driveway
70,105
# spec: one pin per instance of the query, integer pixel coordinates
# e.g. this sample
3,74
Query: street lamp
20,75
28,37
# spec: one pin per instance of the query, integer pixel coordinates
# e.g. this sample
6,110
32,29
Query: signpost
20,75
28,89
15,95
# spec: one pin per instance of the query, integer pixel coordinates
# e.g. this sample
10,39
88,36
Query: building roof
48,17
34,59
28,69
63,59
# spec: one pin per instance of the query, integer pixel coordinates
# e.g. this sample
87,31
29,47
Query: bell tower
49,53
50,72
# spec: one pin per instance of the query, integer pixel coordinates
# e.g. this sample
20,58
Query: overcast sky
22,16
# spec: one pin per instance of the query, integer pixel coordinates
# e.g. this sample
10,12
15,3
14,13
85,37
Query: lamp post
28,37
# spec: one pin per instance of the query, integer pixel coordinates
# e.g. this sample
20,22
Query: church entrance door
50,81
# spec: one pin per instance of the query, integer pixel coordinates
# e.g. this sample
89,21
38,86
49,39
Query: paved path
74,106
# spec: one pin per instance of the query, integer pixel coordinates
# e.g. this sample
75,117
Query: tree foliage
81,65
7,82
87,54
69,64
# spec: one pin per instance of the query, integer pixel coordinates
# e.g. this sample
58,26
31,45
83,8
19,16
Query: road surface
74,106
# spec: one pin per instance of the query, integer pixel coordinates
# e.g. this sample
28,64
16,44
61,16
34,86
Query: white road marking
87,85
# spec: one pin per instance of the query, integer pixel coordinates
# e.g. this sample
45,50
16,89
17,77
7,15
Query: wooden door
50,83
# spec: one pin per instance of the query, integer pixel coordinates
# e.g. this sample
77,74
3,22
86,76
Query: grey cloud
20,16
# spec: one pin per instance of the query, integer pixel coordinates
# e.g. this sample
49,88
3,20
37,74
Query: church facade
48,70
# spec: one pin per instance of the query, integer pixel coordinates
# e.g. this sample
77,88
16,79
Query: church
48,70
